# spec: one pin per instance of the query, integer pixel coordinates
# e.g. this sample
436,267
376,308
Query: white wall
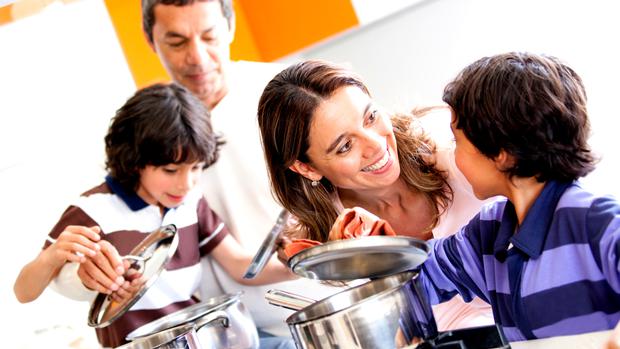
62,76
407,58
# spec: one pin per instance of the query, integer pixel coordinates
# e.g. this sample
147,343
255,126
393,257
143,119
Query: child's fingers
93,282
91,233
69,256
101,268
114,259
77,245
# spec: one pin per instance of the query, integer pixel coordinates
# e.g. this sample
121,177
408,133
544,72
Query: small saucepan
236,329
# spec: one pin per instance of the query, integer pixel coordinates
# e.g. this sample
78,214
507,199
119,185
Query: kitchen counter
593,340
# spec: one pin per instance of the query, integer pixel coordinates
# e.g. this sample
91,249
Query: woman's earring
315,183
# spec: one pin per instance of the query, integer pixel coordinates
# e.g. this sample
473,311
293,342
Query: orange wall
142,60
281,27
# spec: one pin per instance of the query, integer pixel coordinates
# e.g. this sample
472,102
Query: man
192,40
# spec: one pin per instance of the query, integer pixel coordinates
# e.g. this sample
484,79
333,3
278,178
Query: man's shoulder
256,70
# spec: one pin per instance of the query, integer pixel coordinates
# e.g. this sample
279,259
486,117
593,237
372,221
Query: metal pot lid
149,258
184,316
359,258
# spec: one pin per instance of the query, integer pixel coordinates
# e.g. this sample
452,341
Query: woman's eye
170,170
345,148
372,117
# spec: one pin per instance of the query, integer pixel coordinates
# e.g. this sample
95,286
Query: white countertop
593,340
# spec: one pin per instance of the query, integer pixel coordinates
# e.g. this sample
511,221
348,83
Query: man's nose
197,53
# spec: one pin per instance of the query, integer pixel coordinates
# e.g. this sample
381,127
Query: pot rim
179,318
301,317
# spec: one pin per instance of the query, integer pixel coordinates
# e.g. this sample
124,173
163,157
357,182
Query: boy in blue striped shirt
546,257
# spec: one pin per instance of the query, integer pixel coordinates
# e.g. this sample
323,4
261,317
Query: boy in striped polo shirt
157,145
546,257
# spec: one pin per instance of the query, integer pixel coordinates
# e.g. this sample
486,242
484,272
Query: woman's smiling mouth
379,164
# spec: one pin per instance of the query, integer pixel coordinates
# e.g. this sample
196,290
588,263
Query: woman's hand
614,340
283,241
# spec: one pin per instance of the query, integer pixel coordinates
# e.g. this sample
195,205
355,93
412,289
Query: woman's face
352,143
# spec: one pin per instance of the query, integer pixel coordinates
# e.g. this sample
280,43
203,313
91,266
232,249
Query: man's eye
176,43
345,148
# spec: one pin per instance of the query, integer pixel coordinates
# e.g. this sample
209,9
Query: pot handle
288,300
216,318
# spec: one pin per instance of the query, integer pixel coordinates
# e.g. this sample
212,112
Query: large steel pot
390,312
239,331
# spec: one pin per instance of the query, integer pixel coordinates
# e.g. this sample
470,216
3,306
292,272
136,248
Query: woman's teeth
379,164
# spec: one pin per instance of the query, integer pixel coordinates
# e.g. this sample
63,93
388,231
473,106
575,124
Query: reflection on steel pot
391,312
182,336
239,332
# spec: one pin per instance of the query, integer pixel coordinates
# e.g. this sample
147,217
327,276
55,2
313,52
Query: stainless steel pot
391,312
182,336
239,331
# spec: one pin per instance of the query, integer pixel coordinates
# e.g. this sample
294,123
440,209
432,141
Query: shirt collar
531,235
131,198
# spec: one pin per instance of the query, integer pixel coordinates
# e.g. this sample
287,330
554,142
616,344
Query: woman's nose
373,144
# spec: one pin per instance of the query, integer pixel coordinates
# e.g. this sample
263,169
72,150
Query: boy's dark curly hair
531,106
161,124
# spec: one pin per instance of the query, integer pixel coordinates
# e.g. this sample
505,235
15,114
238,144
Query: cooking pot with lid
238,330
390,312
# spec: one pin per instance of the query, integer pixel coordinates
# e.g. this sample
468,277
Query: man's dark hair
531,106
159,125
148,12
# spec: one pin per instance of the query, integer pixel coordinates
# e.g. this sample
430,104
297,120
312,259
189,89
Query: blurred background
67,65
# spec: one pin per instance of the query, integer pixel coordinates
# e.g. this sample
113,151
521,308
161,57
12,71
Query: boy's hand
74,244
104,271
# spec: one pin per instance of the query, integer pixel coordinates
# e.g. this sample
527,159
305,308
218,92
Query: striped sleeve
450,269
603,220
212,229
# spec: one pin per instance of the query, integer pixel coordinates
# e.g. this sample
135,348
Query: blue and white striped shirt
561,277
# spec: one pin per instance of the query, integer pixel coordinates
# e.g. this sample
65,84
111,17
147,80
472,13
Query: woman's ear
305,170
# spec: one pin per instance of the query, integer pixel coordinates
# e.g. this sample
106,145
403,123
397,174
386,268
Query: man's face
193,44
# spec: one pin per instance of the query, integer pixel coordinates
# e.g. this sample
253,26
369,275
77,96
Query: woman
328,146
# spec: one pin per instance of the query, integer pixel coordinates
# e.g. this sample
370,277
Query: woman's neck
376,200
408,211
